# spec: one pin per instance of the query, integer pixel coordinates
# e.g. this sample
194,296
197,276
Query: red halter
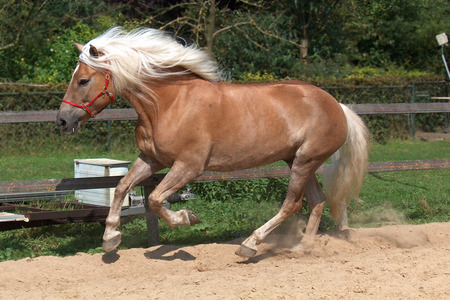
103,92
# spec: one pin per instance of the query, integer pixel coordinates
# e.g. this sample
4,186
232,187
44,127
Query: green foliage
40,31
61,56
400,32
258,77
253,51
221,220
256,190
250,36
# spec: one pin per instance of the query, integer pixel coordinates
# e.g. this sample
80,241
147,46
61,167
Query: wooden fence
92,213
42,116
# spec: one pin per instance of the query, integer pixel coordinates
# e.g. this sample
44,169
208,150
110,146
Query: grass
403,197
232,209
409,150
57,164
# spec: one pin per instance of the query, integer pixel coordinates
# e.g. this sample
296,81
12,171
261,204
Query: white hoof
245,251
111,243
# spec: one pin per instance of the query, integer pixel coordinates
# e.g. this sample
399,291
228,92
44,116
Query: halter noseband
103,92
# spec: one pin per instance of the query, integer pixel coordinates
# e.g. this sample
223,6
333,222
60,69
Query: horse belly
258,142
245,158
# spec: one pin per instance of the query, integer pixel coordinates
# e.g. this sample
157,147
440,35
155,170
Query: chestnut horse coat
190,122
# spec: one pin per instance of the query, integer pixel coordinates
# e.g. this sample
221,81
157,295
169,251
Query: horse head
88,93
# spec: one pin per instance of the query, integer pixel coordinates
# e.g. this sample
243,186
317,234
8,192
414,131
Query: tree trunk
210,27
303,48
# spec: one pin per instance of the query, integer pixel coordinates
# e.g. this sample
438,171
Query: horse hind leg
301,171
316,202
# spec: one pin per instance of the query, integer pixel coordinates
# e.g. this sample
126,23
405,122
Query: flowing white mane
145,53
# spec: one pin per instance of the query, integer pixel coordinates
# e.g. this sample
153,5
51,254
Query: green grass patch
54,165
57,240
409,150
407,197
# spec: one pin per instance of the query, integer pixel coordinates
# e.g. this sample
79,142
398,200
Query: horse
190,121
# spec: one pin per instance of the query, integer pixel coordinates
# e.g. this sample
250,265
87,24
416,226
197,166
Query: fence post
108,142
446,114
411,117
152,219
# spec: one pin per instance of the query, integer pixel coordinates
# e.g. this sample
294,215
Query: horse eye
83,82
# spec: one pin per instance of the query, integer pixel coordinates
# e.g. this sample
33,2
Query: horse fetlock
111,241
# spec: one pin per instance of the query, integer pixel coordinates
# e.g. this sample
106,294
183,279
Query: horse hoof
245,251
193,219
112,243
307,244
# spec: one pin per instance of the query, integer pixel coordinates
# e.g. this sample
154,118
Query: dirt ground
433,136
393,262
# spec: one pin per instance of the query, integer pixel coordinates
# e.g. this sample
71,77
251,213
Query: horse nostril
61,123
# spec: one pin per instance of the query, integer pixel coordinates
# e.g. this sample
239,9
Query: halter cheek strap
105,91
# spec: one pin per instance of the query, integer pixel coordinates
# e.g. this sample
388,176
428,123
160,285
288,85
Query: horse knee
154,203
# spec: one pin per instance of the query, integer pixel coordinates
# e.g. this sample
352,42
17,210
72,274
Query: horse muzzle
67,123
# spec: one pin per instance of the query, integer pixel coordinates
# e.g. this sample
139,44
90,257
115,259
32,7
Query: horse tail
343,178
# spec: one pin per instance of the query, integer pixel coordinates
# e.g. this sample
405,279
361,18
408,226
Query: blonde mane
144,54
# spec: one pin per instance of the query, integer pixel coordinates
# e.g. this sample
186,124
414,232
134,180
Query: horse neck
160,95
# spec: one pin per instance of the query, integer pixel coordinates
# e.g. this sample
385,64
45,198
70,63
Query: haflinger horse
191,122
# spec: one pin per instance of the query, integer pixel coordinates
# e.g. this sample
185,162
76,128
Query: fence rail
45,116
121,114
91,213
67,184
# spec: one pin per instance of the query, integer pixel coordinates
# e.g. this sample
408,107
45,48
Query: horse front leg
142,168
179,175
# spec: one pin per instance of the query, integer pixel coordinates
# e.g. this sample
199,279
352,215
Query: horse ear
79,46
93,51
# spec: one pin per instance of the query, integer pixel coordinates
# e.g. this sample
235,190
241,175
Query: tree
400,31
28,28
311,18
16,17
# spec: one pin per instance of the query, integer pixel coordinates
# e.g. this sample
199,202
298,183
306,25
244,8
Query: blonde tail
343,178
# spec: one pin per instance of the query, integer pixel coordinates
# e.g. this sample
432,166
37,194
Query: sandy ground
433,136
393,262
